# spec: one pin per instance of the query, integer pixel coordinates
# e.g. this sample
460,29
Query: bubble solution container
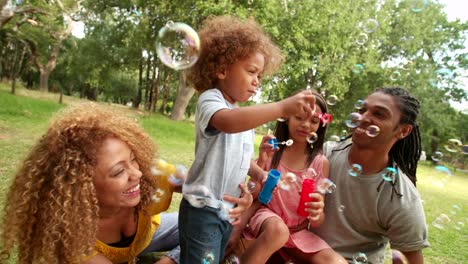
274,142
265,194
308,187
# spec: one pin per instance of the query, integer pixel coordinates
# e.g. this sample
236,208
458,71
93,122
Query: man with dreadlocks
376,207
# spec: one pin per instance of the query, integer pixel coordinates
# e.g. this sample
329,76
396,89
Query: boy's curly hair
51,213
224,41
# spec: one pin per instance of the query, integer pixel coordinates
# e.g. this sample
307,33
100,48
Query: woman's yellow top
148,222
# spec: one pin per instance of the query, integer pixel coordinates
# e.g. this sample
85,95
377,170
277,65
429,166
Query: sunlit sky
454,9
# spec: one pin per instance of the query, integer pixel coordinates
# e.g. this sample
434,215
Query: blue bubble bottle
265,194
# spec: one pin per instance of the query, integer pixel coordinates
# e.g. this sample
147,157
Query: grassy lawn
24,118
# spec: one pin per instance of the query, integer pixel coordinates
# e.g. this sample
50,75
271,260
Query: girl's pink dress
284,205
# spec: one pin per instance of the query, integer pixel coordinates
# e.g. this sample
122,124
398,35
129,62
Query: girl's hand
243,203
315,209
265,151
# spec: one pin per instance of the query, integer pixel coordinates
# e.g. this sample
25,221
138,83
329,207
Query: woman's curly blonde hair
51,213
224,41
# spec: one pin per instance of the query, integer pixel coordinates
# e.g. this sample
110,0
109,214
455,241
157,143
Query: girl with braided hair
368,210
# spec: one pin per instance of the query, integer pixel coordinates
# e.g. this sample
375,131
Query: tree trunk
165,93
61,96
184,95
44,80
13,71
137,101
154,88
147,83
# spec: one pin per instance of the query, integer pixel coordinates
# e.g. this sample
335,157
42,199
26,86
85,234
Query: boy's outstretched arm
244,118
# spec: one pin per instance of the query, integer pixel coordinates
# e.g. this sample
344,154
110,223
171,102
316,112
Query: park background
343,49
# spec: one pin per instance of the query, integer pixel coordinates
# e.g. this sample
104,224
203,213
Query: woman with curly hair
86,194
235,54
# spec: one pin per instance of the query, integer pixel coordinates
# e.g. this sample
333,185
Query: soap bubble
312,138
359,104
325,186
441,221
437,156
332,99
389,174
355,170
418,5
360,258
358,68
178,45
370,25
453,145
372,131
361,39
334,138
353,120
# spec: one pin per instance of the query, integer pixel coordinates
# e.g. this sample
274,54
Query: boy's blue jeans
203,234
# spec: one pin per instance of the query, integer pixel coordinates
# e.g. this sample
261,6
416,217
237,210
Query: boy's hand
302,103
243,203
315,209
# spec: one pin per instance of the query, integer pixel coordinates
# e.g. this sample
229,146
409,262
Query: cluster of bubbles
442,175
368,27
450,220
178,45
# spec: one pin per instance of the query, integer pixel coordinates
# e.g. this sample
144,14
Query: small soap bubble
361,39
372,131
359,104
288,142
209,258
232,259
355,170
417,6
197,195
370,25
459,225
358,68
389,174
223,212
334,138
332,99
325,186
287,181
395,76
453,145
312,138
251,186
341,208
353,120
455,209
360,258
441,221
437,156
178,45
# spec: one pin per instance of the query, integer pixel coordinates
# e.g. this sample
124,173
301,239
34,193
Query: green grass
24,118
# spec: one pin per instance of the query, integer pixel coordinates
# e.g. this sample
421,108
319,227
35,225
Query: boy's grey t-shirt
361,217
222,160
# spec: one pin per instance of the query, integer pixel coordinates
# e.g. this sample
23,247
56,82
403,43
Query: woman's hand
243,203
315,210
265,151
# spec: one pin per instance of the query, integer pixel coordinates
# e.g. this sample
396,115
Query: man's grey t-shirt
362,218
222,160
